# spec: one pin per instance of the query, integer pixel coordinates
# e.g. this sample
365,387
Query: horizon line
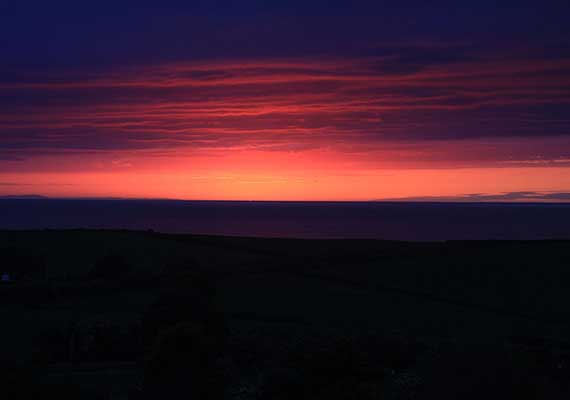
435,200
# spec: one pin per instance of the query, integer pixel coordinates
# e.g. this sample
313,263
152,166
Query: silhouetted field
140,315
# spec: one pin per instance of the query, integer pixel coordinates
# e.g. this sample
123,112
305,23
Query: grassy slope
444,289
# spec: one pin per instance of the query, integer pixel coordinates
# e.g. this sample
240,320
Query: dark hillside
90,309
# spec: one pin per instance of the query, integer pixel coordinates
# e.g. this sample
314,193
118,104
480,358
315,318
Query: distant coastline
389,220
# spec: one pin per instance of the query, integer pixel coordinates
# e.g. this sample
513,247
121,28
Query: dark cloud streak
523,196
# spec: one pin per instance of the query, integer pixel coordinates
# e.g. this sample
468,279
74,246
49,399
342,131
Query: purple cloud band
414,95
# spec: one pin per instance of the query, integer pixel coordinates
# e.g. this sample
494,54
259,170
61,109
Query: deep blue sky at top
43,34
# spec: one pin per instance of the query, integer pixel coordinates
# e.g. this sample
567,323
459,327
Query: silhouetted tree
184,297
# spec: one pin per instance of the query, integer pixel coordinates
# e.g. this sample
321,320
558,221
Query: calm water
402,221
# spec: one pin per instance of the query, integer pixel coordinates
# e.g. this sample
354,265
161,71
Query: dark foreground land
143,315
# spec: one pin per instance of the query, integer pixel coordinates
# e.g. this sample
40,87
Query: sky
292,100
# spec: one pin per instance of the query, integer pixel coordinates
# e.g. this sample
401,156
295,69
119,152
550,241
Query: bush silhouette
329,368
111,266
103,340
183,364
21,263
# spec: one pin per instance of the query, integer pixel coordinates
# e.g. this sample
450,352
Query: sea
314,220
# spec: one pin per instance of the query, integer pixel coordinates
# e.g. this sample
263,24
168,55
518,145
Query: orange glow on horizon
317,185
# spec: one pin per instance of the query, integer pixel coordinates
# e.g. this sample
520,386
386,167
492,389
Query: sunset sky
292,100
